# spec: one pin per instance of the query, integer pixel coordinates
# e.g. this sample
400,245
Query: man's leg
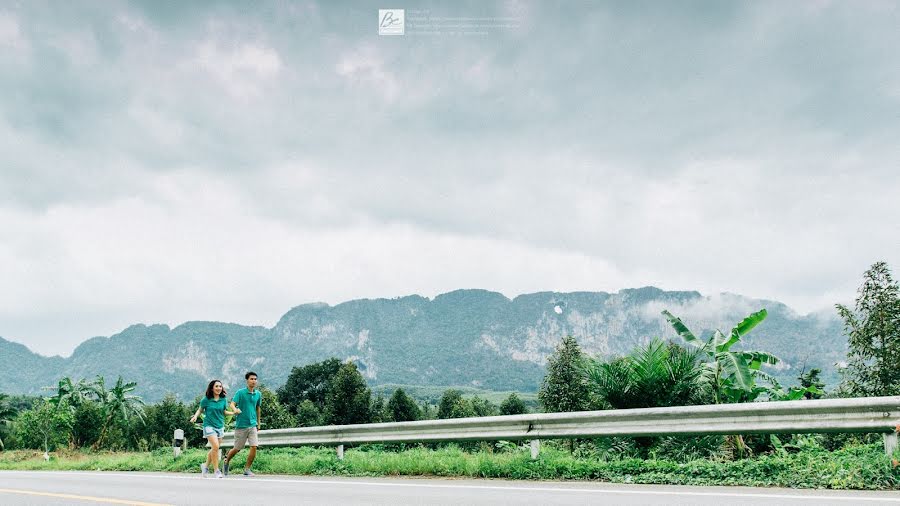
226,465
240,439
250,457
252,442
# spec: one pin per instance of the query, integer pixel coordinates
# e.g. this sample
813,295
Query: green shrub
44,427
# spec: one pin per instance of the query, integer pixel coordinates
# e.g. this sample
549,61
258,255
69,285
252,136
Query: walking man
246,403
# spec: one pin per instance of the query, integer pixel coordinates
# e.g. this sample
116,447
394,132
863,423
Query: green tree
811,382
462,408
401,407
655,375
449,399
428,411
311,382
513,405
44,427
565,386
274,414
873,331
309,415
161,420
379,410
98,390
349,400
71,394
88,420
74,396
483,407
119,406
453,405
20,403
7,414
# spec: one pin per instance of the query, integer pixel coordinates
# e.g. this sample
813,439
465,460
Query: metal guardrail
871,414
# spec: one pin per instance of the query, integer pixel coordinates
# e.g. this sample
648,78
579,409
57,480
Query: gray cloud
165,160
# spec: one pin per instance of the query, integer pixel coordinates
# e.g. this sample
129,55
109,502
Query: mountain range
467,337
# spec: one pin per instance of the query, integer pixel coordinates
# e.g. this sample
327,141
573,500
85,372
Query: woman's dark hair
209,390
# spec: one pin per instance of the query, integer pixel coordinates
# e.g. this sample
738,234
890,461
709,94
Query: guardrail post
340,452
890,443
535,448
177,442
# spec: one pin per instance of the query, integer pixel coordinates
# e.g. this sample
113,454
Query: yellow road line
107,500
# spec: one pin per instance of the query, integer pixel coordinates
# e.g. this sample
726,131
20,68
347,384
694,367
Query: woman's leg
215,442
212,457
216,456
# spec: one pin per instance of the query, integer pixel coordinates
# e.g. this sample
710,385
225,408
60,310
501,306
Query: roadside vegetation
88,425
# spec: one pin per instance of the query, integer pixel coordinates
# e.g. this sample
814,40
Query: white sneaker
204,470
219,474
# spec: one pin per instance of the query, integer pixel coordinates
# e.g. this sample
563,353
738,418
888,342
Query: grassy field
861,467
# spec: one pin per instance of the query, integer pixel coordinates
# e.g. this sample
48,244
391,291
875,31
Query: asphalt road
93,488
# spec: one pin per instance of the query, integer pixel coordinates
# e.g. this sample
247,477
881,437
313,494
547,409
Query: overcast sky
172,161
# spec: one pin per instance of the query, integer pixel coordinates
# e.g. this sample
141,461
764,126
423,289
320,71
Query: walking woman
215,406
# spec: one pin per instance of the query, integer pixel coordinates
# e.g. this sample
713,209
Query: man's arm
259,412
234,408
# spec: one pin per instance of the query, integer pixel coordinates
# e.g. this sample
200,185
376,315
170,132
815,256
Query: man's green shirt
247,403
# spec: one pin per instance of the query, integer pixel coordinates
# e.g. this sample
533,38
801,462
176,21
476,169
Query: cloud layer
166,163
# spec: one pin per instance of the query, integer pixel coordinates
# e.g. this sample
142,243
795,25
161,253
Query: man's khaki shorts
245,436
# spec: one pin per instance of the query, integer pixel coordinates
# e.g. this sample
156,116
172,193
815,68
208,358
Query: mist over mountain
466,337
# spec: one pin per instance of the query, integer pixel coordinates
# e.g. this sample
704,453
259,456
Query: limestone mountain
466,337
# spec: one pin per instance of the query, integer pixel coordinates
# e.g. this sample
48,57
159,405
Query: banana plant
71,394
118,405
732,373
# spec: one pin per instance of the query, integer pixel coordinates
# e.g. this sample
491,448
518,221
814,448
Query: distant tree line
88,414
335,393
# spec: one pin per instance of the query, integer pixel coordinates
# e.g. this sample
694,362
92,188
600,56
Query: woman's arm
194,418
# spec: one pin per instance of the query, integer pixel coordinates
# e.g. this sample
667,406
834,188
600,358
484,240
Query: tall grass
859,467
